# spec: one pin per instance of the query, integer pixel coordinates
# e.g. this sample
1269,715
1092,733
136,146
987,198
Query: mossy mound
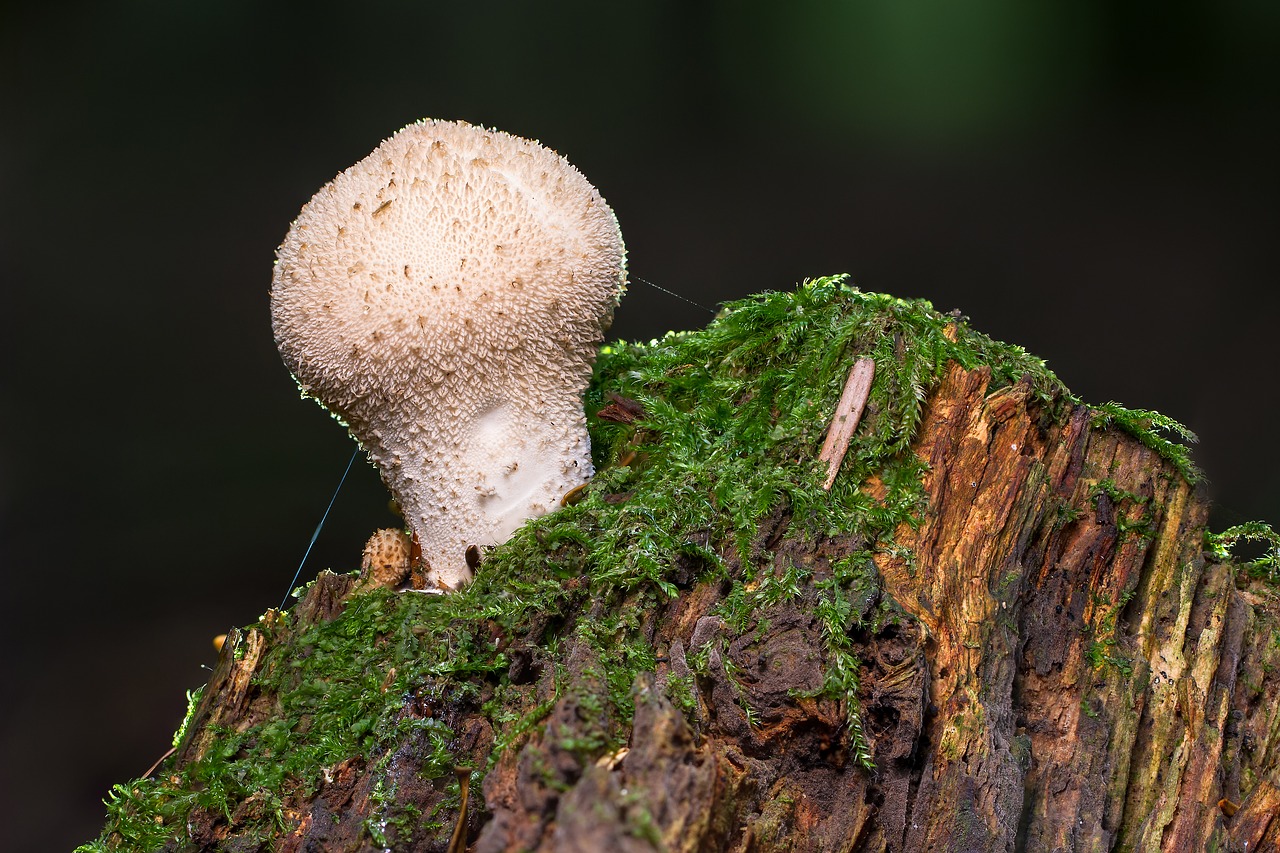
716,460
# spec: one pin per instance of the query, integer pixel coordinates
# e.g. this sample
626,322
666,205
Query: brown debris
621,410
848,413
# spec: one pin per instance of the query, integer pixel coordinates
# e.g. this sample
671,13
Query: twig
458,841
848,412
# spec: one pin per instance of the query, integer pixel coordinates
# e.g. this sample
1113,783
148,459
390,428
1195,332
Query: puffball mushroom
444,298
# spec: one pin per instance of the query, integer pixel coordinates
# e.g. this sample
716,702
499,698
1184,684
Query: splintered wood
848,413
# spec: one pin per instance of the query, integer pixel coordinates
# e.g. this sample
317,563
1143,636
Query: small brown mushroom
444,298
385,561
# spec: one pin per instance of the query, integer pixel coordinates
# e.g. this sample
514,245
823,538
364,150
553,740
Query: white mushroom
445,298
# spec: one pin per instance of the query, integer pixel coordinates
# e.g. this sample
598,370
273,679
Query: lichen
733,416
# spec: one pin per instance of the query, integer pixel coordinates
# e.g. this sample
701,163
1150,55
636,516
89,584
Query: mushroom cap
445,298
447,247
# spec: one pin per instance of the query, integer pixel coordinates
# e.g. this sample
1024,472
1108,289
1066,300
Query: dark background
1096,181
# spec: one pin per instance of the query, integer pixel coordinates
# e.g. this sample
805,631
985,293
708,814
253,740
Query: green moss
389,813
193,699
734,673
1221,546
1153,430
1117,495
639,821
1104,648
680,690
734,416
1141,525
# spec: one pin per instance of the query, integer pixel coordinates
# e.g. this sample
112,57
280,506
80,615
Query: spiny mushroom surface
445,298
386,558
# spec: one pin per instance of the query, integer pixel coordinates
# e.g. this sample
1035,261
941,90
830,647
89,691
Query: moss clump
1155,431
733,417
1267,565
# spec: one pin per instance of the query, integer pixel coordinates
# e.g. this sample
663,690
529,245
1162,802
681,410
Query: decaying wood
1070,673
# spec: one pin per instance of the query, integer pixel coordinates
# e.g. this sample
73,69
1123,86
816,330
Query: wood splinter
848,413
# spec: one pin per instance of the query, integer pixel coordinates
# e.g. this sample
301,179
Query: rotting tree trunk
1094,683
1073,674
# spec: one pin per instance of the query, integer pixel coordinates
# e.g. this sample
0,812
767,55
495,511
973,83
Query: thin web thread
319,527
673,293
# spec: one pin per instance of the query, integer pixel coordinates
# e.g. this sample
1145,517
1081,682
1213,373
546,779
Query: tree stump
1002,629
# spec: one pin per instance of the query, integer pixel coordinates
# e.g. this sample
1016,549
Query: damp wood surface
1003,631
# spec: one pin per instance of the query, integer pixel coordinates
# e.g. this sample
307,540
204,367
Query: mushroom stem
484,475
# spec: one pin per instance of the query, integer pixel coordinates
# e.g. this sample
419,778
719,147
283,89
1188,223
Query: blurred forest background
1096,181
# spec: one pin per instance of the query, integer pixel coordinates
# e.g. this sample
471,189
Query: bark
1069,672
